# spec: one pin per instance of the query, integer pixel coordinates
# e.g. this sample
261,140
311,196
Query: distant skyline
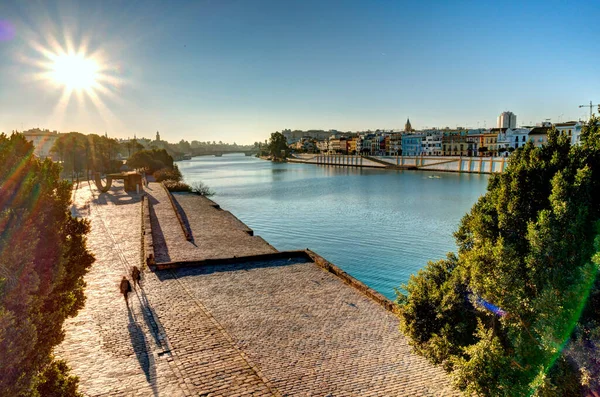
235,71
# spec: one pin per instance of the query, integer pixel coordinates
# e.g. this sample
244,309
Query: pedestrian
136,275
125,288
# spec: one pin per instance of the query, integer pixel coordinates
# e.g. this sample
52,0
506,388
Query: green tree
132,146
278,147
151,160
43,259
508,315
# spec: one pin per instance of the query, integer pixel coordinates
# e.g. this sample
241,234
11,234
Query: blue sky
239,70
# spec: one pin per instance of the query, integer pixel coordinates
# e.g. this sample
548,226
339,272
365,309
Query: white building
572,129
512,138
432,144
507,120
323,146
42,140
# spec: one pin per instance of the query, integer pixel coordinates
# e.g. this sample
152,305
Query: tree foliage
43,259
509,315
79,152
151,160
278,147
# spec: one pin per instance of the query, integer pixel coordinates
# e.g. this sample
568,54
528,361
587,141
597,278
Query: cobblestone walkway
310,334
163,344
282,327
215,233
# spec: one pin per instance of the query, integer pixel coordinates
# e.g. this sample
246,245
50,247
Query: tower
407,126
507,120
157,136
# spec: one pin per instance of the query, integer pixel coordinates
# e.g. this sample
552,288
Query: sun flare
75,72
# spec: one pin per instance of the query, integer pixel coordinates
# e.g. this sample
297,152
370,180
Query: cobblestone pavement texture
161,344
311,334
215,233
282,328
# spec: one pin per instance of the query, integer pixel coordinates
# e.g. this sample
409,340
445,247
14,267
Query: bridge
219,152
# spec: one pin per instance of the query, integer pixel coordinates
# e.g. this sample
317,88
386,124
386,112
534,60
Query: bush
56,381
176,186
201,189
166,174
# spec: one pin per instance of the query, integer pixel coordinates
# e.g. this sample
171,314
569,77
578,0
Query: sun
75,71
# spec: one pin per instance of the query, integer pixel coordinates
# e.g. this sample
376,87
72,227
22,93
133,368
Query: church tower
157,136
407,126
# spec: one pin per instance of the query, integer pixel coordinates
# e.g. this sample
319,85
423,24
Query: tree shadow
117,195
140,347
161,250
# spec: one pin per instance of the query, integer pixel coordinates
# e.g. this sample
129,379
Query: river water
379,226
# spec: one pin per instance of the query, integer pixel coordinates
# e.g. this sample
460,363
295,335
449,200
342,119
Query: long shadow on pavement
140,347
184,217
208,269
151,319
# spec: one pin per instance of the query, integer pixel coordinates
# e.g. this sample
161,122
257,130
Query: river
379,226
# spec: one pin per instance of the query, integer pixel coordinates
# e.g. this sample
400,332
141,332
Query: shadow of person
150,317
140,347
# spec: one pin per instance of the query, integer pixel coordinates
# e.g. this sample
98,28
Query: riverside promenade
215,322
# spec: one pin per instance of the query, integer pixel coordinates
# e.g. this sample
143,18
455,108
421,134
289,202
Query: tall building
157,136
507,120
407,126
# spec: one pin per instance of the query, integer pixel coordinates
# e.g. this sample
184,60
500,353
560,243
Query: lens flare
75,72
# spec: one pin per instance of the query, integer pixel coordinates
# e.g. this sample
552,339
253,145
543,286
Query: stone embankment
228,315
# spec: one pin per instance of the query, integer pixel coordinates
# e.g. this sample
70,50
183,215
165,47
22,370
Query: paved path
310,334
163,344
215,233
283,328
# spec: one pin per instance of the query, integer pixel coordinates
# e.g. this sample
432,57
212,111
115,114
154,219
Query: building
432,144
298,134
351,145
42,140
510,139
488,143
359,143
337,145
539,136
455,143
394,147
412,144
323,146
407,126
507,120
572,129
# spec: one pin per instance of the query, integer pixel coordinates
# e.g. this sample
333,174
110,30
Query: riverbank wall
476,165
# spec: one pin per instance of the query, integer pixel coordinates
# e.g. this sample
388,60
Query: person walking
136,276
125,288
